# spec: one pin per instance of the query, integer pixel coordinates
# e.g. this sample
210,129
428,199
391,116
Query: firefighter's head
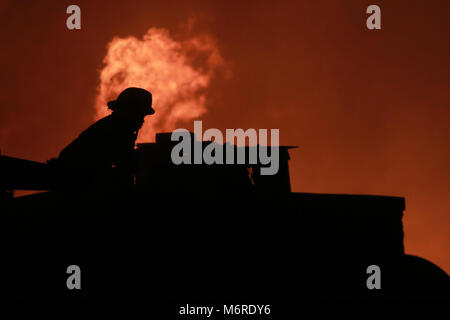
133,101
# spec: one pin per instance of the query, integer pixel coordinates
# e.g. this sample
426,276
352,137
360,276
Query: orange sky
369,109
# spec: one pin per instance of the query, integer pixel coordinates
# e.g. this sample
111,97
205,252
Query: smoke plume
178,73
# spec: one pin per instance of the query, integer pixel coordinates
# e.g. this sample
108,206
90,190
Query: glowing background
370,110
177,73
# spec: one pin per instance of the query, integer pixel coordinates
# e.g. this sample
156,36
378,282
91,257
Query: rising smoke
178,73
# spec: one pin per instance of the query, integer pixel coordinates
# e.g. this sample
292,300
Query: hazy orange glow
369,110
176,72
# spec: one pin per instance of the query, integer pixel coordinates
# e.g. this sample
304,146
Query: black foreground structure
202,232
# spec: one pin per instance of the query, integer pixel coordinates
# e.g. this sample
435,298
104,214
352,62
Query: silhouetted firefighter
103,153
215,234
